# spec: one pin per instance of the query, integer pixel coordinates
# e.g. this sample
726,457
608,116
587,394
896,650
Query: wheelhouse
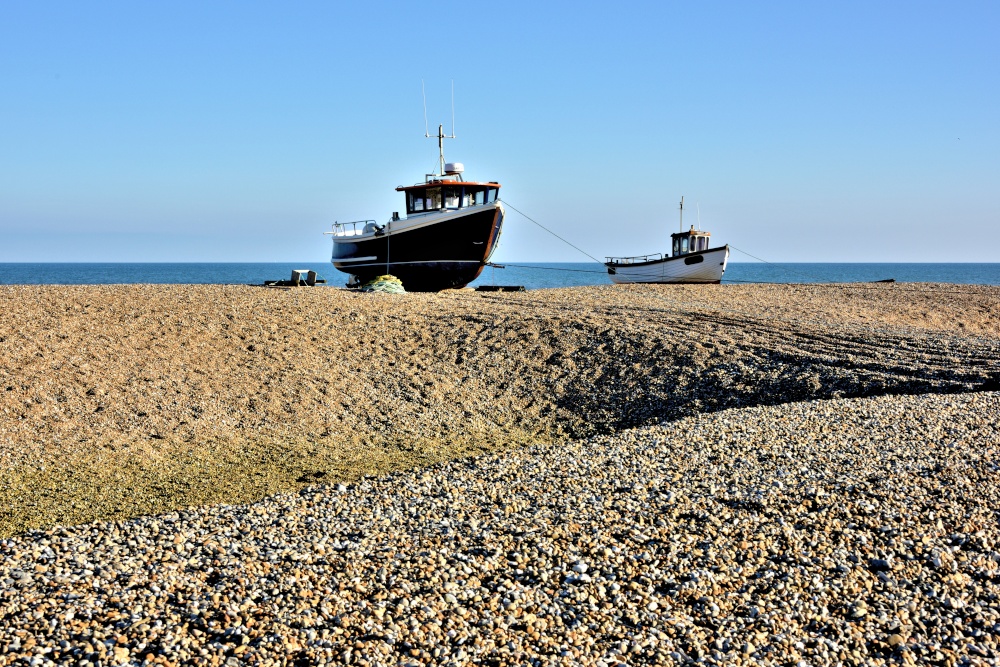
448,195
689,241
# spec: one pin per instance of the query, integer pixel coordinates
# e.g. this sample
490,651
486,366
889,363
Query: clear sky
238,131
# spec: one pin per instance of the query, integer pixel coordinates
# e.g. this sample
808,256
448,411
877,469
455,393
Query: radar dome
454,168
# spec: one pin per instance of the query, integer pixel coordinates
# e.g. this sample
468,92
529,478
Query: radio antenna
441,136
427,131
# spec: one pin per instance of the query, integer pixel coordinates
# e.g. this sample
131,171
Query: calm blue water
531,275
535,276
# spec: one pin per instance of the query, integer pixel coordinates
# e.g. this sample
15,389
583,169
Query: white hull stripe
357,259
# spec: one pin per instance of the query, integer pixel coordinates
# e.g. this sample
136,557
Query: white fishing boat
691,261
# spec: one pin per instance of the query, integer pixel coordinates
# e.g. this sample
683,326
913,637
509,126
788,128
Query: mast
441,148
682,213
441,136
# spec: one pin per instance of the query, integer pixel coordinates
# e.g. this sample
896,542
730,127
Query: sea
530,275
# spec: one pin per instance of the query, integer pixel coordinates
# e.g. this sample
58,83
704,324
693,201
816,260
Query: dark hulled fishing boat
451,228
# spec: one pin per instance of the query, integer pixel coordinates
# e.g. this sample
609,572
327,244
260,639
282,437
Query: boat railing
640,259
355,228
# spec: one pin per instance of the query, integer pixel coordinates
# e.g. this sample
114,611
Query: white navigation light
454,168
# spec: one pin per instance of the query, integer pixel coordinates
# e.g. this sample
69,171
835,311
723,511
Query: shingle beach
755,474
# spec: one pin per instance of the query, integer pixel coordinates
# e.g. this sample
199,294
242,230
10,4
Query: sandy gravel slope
119,401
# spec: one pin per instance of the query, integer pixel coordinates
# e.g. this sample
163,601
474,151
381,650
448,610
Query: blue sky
238,131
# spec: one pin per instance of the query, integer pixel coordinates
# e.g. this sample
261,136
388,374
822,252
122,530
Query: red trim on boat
437,184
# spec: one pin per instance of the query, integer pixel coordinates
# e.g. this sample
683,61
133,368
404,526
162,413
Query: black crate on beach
500,288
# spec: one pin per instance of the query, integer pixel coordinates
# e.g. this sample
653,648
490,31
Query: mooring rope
543,268
386,284
813,280
511,207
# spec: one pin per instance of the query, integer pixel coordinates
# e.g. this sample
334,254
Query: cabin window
414,202
418,201
432,199
451,197
491,195
677,247
466,198
684,245
480,196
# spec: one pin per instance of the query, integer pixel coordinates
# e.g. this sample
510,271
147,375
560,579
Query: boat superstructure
447,236
691,260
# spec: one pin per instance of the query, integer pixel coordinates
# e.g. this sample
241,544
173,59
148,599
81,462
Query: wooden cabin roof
437,184
690,232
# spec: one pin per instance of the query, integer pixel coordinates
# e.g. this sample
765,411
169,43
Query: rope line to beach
867,285
511,207
813,280
899,287
542,268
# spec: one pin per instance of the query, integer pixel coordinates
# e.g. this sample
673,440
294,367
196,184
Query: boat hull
704,266
427,253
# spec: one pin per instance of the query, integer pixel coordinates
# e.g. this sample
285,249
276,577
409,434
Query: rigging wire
543,268
511,207
817,281
814,281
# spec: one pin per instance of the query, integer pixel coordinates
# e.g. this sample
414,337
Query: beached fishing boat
691,261
450,230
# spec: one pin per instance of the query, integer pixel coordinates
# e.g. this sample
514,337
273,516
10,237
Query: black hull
443,255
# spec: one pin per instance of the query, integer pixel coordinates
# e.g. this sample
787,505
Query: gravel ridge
123,400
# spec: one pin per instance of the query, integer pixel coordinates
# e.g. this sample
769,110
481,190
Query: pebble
564,553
